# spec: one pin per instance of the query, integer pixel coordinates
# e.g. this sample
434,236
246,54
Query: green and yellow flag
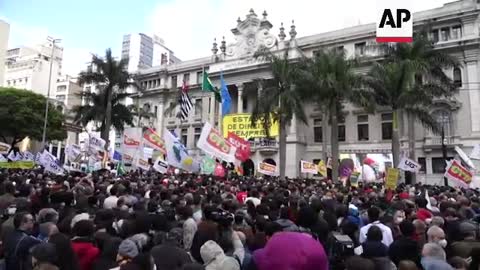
208,86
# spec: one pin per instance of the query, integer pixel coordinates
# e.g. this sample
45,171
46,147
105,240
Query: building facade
454,29
4,33
144,51
29,68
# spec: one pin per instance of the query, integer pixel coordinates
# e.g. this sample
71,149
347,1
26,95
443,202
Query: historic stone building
454,29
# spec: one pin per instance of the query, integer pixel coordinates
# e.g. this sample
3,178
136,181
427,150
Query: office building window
198,131
60,97
244,104
198,107
434,36
341,129
172,109
199,77
438,165
387,126
457,32
362,127
423,164
155,111
186,78
445,33
185,136
360,48
317,130
457,77
174,82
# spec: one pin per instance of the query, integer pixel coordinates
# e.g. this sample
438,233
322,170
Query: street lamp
44,134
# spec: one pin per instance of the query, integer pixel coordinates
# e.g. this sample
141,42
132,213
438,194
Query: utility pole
44,134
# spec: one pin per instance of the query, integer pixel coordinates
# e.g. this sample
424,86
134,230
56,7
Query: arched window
457,77
444,120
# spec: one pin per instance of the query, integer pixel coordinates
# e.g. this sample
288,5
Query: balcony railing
264,145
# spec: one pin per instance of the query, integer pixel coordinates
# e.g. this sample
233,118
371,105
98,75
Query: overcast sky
187,26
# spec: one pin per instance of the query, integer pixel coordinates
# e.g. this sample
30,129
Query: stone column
240,99
59,150
160,117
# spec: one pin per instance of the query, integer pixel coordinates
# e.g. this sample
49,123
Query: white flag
73,153
160,165
475,154
27,156
308,167
213,143
2,158
409,165
142,162
14,156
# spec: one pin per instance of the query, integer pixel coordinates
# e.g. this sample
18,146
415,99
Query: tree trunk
108,118
324,134
411,143
283,148
334,140
395,139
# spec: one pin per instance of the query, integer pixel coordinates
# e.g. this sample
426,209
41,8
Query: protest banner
212,143
219,170
475,154
14,156
322,168
131,144
243,146
267,169
354,179
27,156
308,167
240,124
17,165
464,157
391,179
153,140
3,159
458,174
160,165
208,165
142,162
409,165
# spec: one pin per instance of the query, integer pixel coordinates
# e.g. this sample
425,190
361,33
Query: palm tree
112,79
397,83
332,81
280,99
94,111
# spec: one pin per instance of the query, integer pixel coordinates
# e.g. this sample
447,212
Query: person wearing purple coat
290,250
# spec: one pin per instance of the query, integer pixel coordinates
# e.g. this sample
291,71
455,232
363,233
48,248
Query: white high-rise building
4,32
144,51
29,67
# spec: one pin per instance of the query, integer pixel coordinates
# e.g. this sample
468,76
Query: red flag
243,146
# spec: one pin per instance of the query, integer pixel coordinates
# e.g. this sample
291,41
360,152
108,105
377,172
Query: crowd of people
146,221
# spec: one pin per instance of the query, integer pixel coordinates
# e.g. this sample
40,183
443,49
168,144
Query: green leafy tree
328,79
22,114
104,107
279,98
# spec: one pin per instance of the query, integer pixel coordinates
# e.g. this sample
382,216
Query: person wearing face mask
436,235
405,247
434,258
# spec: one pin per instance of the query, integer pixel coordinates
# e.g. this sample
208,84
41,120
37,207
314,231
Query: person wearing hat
464,248
127,250
44,257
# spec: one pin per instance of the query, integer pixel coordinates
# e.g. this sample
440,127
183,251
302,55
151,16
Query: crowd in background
149,221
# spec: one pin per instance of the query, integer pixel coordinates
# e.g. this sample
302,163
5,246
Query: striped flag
185,103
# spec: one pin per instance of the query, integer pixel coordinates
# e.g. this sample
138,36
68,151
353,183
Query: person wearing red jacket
82,244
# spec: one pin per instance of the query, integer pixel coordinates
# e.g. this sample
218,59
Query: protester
19,242
373,218
145,220
44,257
